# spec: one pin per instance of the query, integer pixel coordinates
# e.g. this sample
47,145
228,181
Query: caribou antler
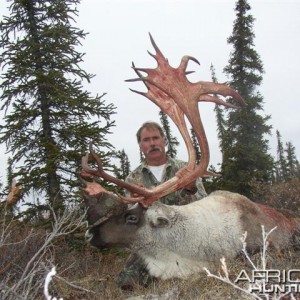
94,189
170,89
170,107
186,95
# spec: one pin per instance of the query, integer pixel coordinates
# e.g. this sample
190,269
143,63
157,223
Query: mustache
156,148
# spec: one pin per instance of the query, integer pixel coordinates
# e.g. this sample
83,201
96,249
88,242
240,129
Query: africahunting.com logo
270,282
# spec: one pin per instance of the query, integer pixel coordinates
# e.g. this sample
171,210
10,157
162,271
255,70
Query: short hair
149,125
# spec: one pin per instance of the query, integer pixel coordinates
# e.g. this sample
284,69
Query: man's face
152,144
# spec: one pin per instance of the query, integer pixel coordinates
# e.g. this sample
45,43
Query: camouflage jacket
143,176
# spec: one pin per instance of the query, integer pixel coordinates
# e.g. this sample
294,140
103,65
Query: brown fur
261,214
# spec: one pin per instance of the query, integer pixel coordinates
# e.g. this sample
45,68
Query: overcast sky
118,35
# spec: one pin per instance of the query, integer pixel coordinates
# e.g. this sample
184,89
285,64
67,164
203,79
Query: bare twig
31,280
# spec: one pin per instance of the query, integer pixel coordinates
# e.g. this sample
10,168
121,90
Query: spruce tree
123,171
196,146
292,162
49,119
221,124
245,148
281,163
172,141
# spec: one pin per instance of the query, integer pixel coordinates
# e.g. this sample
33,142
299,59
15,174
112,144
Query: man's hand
136,195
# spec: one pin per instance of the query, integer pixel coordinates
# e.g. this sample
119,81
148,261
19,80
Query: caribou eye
131,219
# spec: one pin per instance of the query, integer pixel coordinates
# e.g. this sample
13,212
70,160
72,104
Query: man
157,167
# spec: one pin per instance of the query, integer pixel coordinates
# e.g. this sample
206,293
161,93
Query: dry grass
103,269
97,271
93,273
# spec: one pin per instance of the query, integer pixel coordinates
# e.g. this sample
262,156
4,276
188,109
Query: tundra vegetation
29,250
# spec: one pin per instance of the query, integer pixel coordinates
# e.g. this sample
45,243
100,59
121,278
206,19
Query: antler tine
86,169
99,172
146,70
135,79
158,52
185,60
216,100
138,92
151,54
189,72
203,87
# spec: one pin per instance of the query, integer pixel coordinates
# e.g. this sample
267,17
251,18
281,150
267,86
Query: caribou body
177,241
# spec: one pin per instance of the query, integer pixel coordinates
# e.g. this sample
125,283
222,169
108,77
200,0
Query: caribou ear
160,222
161,216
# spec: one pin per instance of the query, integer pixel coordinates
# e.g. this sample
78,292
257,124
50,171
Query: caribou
178,241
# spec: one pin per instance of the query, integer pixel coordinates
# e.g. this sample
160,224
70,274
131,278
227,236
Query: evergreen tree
196,146
123,171
281,164
49,118
172,141
214,183
292,162
245,149
221,124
